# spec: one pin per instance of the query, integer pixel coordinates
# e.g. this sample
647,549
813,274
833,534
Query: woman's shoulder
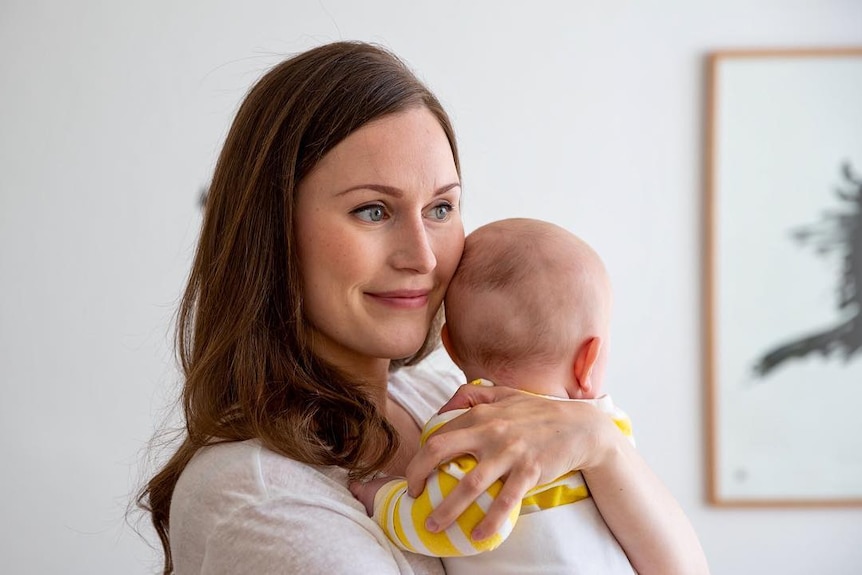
242,501
229,475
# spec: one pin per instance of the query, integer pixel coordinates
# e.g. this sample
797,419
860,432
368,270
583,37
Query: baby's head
529,307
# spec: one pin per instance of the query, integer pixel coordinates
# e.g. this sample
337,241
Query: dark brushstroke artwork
839,232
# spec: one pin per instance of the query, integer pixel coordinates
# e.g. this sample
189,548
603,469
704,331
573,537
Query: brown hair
241,335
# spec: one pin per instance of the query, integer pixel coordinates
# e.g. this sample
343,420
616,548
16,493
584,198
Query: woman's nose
414,250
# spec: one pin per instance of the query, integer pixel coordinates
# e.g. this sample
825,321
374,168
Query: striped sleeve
402,517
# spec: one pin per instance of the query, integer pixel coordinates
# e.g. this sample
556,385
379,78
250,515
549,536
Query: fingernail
477,535
431,525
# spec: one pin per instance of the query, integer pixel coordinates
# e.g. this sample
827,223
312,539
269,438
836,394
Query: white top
241,508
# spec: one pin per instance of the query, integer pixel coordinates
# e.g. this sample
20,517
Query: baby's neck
555,381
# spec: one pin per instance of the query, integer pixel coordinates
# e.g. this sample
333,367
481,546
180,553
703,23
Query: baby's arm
403,518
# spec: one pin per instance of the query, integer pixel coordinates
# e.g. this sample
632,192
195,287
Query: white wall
589,114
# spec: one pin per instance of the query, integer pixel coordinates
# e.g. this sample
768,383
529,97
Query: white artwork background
783,128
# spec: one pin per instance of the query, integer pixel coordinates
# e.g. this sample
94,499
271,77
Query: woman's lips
401,299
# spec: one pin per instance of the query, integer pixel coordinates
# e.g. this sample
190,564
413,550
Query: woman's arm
527,441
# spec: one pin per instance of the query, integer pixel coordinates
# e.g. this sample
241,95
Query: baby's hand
365,492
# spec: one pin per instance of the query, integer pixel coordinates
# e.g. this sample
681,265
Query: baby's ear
447,343
585,360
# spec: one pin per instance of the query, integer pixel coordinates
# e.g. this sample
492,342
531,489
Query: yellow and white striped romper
403,518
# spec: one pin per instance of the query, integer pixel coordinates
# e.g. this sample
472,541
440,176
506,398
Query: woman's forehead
401,151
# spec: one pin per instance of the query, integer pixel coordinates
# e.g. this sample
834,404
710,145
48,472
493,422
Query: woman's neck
375,374
408,433
370,372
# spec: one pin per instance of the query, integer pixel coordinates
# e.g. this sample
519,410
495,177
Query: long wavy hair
241,337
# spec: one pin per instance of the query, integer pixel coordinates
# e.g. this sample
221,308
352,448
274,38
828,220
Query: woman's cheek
454,250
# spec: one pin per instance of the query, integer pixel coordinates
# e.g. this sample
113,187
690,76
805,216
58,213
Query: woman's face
379,236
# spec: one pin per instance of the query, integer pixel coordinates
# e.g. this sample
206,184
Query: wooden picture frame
783,281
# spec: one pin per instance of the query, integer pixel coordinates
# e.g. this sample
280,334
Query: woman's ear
585,360
447,343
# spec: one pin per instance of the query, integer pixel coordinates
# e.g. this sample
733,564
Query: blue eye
441,212
373,213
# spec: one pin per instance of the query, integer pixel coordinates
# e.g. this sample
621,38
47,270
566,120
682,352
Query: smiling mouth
402,299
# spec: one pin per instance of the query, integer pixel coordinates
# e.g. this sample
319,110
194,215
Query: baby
529,307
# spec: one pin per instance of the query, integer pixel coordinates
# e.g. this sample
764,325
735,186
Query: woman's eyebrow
392,190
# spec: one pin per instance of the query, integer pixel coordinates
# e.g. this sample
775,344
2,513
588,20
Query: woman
330,234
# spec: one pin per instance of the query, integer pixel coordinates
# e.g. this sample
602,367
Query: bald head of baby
526,298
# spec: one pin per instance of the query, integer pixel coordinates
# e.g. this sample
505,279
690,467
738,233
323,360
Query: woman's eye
373,213
441,212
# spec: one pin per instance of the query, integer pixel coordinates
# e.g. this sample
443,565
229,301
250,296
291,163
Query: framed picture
784,277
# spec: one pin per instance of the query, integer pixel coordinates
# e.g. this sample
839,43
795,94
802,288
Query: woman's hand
523,439
528,440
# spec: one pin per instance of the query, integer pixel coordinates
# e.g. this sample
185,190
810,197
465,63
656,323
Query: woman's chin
405,350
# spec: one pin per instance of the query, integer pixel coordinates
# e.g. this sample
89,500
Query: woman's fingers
470,433
516,486
492,441
440,447
511,466
479,480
